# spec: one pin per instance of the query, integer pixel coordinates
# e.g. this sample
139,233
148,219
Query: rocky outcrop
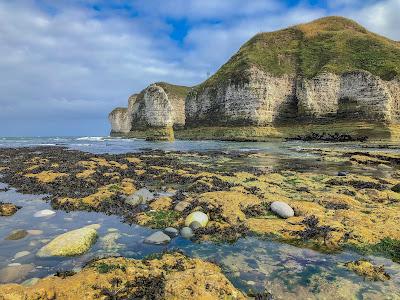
160,105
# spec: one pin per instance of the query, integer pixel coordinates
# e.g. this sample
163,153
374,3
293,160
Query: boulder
197,216
282,209
157,238
141,196
75,242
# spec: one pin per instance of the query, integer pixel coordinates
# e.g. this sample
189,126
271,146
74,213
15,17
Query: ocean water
252,264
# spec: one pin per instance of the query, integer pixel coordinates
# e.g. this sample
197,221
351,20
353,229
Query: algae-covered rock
197,216
75,242
368,270
8,209
17,235
173,276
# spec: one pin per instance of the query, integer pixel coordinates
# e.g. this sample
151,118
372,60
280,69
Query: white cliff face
153,107
158,109
262,100
120,120
355,95
266,99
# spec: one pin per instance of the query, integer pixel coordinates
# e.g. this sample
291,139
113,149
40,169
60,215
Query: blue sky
66,63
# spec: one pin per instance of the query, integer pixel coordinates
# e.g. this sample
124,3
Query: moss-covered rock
173,276
75,242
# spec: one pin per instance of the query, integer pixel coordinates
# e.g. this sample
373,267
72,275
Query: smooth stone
14,273
14,264
157,238
141,196
71,243
342,173
195,225
34,232
44,213
282,209
187,232
197,216
17,235
21,254
181,206
30,282
171,232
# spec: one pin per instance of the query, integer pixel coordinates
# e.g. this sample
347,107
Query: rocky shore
171,276
162,189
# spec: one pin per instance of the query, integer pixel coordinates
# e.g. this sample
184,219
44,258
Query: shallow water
252,264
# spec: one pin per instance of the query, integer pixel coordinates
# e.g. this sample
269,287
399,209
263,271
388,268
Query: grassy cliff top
331,44
178,91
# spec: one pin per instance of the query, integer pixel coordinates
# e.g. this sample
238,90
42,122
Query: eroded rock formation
160,105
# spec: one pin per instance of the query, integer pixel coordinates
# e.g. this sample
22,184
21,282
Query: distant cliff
329,71
160,105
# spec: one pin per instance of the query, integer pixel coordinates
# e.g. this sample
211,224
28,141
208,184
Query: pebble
187,232
34,232
171,232
21,254
44,213
195,225
17,235
157,238
181,206
282,209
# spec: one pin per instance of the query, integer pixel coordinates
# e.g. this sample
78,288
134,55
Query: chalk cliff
157,106
328,71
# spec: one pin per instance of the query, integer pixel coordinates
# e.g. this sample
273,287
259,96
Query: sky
65,64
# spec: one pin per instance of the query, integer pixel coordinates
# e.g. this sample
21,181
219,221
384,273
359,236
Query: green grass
178,91
332,44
